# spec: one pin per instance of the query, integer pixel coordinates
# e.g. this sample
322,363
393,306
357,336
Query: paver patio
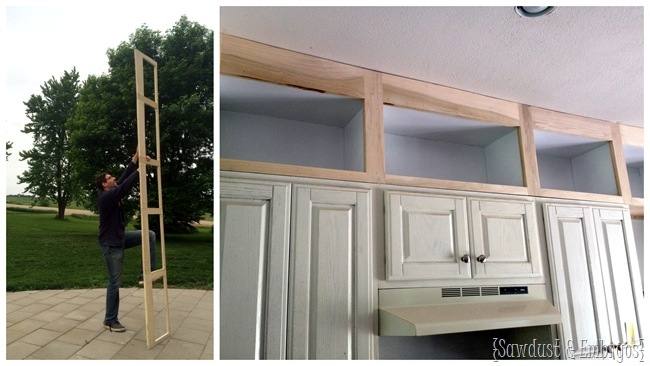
67,324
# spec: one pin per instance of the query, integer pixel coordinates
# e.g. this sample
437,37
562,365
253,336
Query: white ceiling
581,60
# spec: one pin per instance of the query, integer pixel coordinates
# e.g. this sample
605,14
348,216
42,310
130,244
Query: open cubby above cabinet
634,162
575,163
439,146
261,121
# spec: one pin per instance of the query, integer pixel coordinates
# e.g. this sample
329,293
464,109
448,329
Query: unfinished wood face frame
415,94
245,58
150,275
528,151
633,136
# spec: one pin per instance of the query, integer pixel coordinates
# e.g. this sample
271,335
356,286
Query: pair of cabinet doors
428,237
596,276
295,272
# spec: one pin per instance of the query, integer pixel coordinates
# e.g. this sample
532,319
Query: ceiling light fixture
533,11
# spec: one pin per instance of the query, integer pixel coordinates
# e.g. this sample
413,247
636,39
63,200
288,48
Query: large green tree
49,173
104,127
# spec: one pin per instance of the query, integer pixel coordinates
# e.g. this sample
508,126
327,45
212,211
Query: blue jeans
114,257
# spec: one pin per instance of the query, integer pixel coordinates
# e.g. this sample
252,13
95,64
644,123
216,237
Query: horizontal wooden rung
153,211
153,162
157,274
147,101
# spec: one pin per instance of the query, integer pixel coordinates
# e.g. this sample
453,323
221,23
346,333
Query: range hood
441,310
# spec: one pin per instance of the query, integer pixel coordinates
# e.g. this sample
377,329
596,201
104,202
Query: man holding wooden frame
113,238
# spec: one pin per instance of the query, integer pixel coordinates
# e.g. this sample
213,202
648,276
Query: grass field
45,253
29,201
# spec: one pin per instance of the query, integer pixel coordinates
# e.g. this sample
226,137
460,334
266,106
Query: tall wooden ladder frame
150,276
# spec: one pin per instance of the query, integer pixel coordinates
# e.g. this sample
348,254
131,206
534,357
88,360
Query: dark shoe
115,327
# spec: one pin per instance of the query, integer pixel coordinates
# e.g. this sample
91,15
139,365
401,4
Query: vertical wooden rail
150,275
528,151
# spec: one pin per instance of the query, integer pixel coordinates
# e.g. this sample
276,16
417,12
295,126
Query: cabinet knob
465,258
481,258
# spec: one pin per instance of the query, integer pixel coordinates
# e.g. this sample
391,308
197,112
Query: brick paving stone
91,324
18,315
47,316
79,315
94,307
24,301
40,337
137,350
191,335
62,325
79,336
52,300
13,296
180,350
199,324
114,337
26,326
99,350
36,308
55,350
12,307
64,307
79,300
67,295
20,350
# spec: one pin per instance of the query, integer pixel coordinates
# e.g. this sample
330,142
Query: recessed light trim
533,11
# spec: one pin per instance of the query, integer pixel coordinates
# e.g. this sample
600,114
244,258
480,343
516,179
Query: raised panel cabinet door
505,240
426,237
254,248
620,273
575,271
330,306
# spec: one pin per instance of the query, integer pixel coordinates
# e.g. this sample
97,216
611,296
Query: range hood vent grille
474,291
451,292
471,291
489,291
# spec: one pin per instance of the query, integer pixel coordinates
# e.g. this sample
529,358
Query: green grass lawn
45,253
29,201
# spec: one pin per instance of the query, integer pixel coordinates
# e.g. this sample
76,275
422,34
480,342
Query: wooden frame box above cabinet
248,59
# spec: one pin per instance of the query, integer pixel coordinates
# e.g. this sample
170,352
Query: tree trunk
61,213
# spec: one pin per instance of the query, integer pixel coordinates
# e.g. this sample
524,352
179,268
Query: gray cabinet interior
261,121
434,145
574,163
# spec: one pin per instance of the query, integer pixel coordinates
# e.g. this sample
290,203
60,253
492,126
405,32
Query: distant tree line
80,129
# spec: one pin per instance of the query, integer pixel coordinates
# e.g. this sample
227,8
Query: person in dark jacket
113,238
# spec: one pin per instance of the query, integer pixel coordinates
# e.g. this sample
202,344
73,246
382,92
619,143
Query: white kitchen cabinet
596,277
330,308
621,275
426,237
254,265
576,267
505,241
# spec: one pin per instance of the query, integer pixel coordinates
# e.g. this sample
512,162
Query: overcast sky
47,37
